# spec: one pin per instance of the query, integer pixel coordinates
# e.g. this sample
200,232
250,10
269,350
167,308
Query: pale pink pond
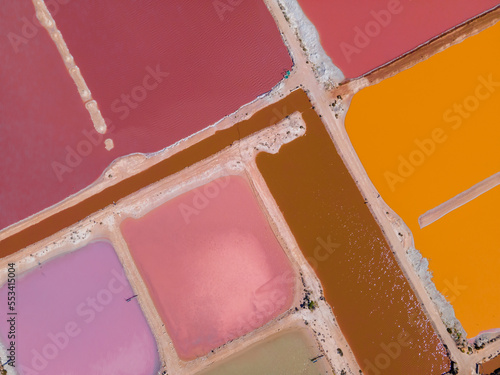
73,318
212,264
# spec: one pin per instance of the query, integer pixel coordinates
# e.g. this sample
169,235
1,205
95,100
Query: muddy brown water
491,366
375,307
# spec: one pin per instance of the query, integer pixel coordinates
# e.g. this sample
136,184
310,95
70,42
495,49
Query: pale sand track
459,200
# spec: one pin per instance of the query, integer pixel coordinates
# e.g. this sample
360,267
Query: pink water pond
42,115
73,318
212,264
159,70
362,35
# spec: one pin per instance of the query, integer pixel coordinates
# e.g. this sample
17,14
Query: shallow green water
288,353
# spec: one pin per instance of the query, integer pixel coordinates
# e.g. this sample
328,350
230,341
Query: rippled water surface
159,70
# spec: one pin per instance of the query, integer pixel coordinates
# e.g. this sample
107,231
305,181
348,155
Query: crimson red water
160,71
362,35
41,115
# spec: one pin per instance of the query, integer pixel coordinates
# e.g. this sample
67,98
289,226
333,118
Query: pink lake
212,264
159,70
163,70
390,27
41,116
73,318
